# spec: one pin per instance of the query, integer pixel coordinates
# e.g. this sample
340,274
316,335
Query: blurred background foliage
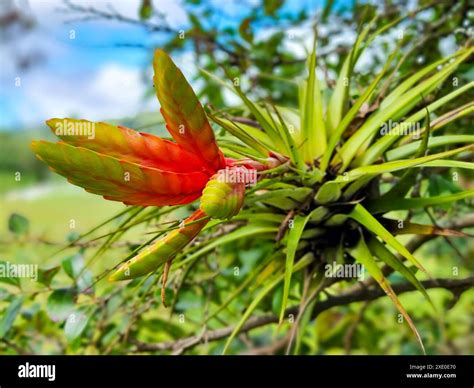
70,310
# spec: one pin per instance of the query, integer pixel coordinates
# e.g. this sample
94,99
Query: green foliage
328,203
18,224
10,315
60,304
76,322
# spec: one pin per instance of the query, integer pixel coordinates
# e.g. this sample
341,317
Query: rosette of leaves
338,185
340,196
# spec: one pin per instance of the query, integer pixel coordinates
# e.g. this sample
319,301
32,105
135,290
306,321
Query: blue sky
88,76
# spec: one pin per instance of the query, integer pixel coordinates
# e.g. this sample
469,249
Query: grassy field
51,207
55,212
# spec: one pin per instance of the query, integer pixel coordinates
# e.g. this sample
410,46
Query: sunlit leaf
363,255
361,215
9,315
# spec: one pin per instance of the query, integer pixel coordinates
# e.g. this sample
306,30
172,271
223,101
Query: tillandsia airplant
142,169
310,179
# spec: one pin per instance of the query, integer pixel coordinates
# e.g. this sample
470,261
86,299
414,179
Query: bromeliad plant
142,169
319,194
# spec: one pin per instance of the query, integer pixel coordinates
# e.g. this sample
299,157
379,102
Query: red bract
142,169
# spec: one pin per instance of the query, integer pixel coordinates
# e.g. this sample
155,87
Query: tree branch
457,286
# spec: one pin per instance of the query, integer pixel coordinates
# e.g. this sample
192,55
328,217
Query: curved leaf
363,217
363,255
396,165
124,143
382,206
120,180
185,118
150,258
409,149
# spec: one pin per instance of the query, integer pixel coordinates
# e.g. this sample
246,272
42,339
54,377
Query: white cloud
112,91
61,87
